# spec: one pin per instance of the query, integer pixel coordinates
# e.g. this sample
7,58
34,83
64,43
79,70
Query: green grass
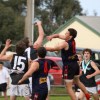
51,98
60,98
57,90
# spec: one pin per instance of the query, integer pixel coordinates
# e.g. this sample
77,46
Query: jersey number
28,52
19,61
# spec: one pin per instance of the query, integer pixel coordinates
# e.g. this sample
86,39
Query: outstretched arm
56,36
34,67
2,54
7,45
58,47
39,40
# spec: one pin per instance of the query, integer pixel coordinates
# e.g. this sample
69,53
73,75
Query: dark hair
20,48
41,52
1,62
87,50
26,41
73,32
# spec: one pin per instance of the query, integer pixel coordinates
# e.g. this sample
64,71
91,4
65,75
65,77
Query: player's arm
39,40
34,67
97,71
56,36
7,45
8,81
7,78
58,47
6,57
2,54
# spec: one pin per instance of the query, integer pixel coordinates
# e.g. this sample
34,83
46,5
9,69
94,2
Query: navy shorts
70,70
3,87
39,96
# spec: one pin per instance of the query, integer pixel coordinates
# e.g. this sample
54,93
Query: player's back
39,78
19,66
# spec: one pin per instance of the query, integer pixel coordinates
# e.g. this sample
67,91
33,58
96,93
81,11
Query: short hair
73,32
20,48
1,62
80,54
87,50
26,41
41,52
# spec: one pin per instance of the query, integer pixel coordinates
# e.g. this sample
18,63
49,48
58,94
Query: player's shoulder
27,49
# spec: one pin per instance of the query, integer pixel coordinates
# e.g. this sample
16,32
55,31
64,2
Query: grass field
60,98
51,98
59,91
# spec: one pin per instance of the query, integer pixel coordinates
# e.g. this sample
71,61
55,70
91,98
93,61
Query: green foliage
11,21
54,13
16,5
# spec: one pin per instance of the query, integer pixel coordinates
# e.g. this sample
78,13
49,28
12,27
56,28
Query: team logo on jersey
42,80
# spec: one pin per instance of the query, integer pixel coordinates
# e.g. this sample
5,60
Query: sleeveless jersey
89,70
19,66
70,54
31,53
39,78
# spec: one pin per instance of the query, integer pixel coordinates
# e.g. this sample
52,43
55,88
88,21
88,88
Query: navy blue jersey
31,53
70,54
89,70
19,66
39,78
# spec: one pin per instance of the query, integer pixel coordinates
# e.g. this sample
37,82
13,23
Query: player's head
72,32
20,48
87,54
80,56
87,50
26,41
1,64
41,52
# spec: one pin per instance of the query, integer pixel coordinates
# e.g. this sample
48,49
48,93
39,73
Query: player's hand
8,43
89,76
38,23
49,38
19,82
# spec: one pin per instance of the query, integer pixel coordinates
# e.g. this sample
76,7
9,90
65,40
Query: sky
90,6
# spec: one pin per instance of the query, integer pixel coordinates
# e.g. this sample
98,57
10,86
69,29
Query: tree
53,13
56,12
11,21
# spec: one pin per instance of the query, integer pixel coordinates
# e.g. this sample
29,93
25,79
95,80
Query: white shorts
20,90
48,83
30,84
92,90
